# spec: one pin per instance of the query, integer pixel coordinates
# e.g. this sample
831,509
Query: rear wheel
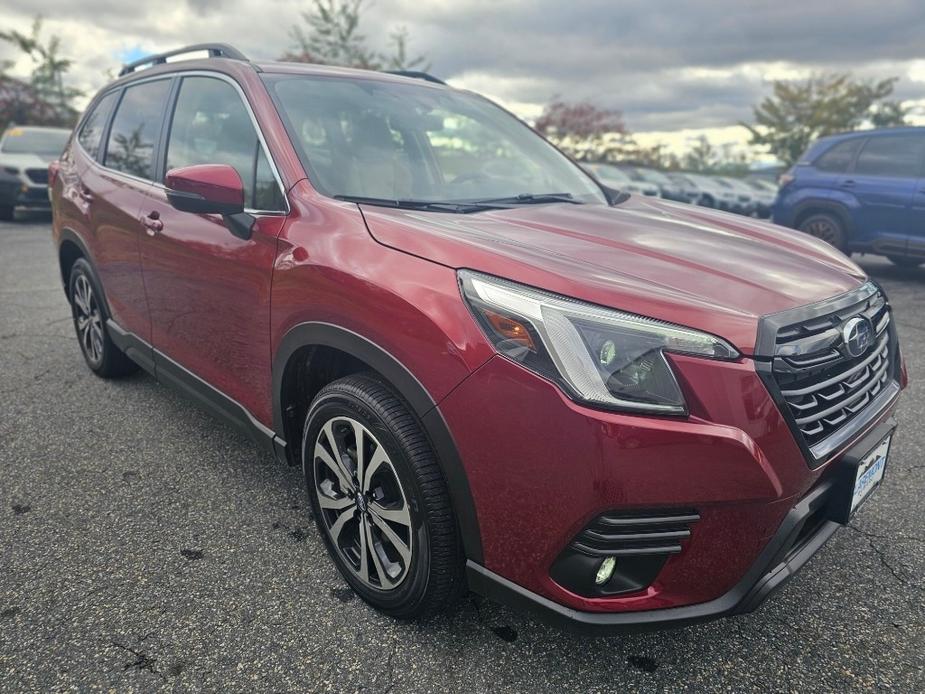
6,213
904,261
379,498
826,227
101,354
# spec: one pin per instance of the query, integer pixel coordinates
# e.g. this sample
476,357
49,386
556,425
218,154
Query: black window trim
161,145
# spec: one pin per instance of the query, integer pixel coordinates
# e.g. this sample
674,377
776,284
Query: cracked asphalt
145,546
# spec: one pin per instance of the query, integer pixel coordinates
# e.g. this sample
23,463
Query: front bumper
33,197
803,532
541,467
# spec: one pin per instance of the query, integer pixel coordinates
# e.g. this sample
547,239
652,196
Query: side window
134,132
91,133
212,126
837,159
893,155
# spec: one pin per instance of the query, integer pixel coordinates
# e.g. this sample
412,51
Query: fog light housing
605,571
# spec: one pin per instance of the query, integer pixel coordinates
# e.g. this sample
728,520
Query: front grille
636,534
38,175
825,390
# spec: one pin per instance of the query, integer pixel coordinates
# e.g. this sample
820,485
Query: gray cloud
668,65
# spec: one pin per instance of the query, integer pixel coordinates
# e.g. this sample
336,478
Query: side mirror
210,189
614,196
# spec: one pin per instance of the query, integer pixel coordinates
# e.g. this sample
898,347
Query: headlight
598,355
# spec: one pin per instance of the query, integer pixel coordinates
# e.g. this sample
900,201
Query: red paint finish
214,182
209,298
665,260
330,270
539,465
102,208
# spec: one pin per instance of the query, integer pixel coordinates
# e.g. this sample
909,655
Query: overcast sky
675,68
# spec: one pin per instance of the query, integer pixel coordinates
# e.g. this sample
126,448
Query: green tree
799,112
333,37
50,68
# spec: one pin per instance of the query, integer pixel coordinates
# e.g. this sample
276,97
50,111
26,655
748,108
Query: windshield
34,141
375,139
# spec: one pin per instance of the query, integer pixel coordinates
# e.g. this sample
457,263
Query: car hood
26,161
688,265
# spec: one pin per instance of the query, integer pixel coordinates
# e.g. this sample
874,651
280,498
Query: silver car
25,152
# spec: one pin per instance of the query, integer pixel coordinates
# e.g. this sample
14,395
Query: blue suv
861,191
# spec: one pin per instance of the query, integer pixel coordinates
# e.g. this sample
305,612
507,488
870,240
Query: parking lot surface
143,545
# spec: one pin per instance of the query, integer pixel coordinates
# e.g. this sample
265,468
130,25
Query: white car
25,152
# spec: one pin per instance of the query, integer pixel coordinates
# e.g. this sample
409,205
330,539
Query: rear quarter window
135,129
91,132
839,157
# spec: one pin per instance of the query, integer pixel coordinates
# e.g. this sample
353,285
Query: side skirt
169,372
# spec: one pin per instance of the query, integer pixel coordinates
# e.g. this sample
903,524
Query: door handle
152,223
85,195
847,184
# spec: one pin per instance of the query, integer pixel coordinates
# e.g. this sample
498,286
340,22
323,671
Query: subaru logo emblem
857,334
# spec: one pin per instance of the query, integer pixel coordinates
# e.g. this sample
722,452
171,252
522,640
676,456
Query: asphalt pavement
144,545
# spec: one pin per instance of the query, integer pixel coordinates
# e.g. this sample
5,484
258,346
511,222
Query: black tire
905,261
827,227
6,213
433,578
706,201
101,354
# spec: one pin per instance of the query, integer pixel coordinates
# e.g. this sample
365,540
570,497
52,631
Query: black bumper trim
785,554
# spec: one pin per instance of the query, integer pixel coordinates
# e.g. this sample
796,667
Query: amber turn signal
509,329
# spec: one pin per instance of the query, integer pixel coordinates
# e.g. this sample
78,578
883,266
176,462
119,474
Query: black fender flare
68,234
832,207
318,334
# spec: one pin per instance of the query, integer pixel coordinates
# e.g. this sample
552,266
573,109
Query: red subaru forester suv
612,410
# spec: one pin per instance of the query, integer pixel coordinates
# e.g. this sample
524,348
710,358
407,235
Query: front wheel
826,227
379,498
6,213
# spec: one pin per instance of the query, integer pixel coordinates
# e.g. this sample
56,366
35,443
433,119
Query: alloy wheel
89,320
824,229
363,505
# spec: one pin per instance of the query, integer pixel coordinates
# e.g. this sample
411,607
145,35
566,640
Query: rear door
884,181
110,187
209,291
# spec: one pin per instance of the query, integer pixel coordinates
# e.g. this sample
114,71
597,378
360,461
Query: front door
208,290
884,182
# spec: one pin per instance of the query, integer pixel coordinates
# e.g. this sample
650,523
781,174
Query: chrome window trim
247,106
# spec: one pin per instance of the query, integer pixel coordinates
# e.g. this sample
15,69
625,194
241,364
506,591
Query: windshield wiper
530,199
462,207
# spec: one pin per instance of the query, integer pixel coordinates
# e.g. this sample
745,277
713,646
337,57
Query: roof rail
215,50
416,74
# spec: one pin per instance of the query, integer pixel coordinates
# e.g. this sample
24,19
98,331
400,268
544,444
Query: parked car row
751,197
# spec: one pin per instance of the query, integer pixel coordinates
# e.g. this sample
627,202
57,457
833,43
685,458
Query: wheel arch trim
319,334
